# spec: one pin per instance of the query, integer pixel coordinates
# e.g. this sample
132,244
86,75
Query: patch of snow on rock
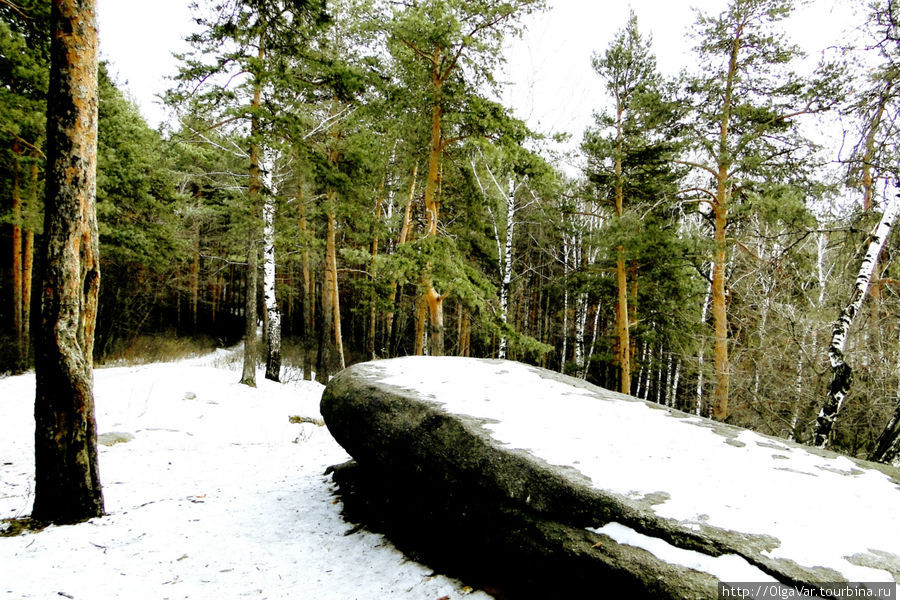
821,509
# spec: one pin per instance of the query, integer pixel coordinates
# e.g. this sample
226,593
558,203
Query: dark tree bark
888,445
323,317
248,374
67,481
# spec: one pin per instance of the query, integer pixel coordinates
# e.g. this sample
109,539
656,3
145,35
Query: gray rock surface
541,484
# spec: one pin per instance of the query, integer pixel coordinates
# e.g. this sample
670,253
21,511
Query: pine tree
448,39
67,479
24,65
626,152
743,131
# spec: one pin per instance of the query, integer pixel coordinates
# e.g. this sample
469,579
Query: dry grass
145,349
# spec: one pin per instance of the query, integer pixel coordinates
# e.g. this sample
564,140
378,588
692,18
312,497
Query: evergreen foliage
415,213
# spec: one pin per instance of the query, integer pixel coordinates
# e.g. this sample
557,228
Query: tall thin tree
744,131
621,149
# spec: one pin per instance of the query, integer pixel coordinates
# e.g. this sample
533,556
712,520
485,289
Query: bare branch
15,8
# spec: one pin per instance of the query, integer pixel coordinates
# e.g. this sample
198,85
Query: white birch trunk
273,315
842,374
507,265
798,392
673,396
659,379
643,377
698,409
581,301
590,355
668,390
565,327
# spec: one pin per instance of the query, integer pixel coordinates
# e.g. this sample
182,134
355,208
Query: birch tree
270,300
249,40
518,169
841,372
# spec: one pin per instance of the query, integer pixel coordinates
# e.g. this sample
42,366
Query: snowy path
217,496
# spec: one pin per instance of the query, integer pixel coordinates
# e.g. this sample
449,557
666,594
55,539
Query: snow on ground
822,510
217,496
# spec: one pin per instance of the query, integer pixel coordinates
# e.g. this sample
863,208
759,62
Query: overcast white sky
552,84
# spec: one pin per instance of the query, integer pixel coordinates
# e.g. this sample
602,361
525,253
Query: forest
342,172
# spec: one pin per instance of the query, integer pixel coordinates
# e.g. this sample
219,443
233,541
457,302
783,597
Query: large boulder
538,483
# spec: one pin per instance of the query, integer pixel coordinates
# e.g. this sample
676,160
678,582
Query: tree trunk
18,316
67,478
331,291
868,183
698,408
887,447
433,300
402,238
506,282
720,321
27,270
28,257
581,309
435,304
590,355
421,315
373,274
673,402
434,155
308,287
465,344
720,208
798,393
841,373
323,330
248,375
195,274
623,351
632,306
567,249
270,297
642,381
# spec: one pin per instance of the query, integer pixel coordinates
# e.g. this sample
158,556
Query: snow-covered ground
217,496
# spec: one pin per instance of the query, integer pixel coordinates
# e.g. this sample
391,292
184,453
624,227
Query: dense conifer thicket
340,183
